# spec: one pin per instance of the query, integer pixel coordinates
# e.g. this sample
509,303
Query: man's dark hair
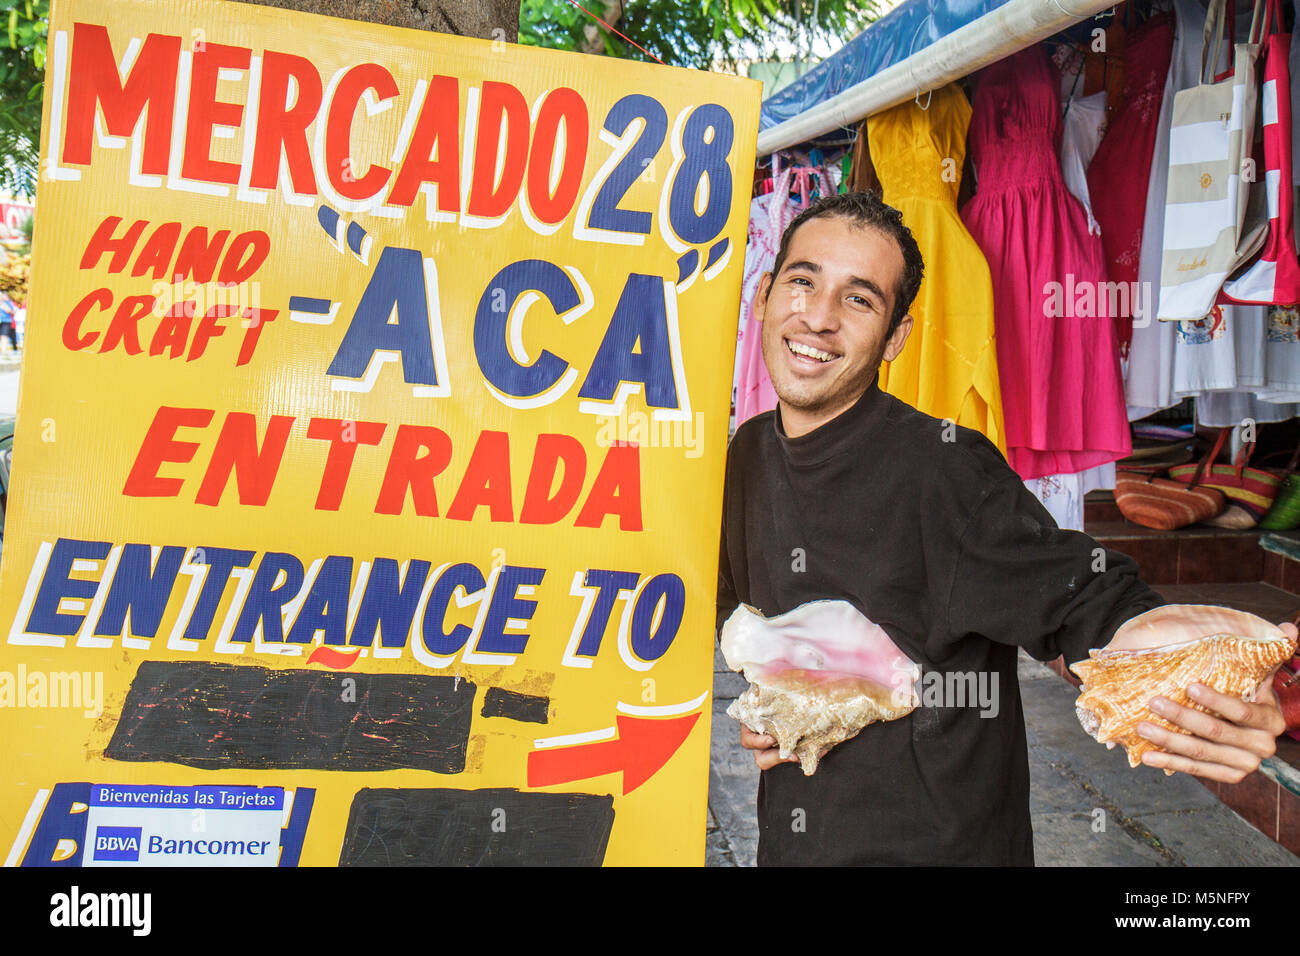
867,210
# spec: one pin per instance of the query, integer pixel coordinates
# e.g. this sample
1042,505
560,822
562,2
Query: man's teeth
798,348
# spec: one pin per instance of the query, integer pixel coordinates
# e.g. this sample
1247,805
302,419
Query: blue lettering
388,607
140,590
265,602
326,606
505,605
610,583
398,284
435,639
669,589
641,318
220,562
56,584
495,359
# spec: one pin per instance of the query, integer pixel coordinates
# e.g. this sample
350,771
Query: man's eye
800,279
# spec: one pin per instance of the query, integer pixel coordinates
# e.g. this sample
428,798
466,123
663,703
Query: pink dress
769,215
1058,361
1121,170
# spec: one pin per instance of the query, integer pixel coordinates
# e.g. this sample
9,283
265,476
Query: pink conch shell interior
1162,653
817,674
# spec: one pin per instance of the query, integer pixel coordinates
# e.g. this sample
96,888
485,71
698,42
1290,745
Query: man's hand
766,754
1225,745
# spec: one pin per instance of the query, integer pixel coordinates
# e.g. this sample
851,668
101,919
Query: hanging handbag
1274,277
1207,233
1285,513
1166,505
1250,491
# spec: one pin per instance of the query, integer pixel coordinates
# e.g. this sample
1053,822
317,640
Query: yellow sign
368,471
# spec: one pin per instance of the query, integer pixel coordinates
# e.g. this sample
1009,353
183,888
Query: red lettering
540,507
436,126
103,241
408,469
562,105
616,490
72,327
173,330
157,251
126,323
281,129
206,111
236,450
158,447
209,329
198,256
340,165
94,79
501,103
344,438
486,481
235,268
257,319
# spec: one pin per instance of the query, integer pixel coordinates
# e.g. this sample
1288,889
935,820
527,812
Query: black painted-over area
508,703
208,715
476,828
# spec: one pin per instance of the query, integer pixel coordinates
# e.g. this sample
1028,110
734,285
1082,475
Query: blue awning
910,27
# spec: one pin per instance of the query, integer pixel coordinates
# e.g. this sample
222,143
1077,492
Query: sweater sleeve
1019,579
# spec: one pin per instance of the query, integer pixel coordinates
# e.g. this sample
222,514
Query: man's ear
896,341
759,306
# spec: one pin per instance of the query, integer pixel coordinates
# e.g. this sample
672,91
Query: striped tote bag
1273,278
1208,235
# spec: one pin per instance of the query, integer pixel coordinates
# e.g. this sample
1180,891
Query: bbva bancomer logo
117,843
122,844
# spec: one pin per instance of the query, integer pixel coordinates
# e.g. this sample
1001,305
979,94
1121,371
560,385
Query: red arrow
643,745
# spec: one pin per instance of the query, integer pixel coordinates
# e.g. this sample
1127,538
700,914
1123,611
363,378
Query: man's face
826,315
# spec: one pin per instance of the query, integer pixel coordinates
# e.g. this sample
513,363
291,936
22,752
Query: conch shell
817,675
1162,653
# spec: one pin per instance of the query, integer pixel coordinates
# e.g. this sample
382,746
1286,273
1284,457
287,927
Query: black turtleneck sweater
927,531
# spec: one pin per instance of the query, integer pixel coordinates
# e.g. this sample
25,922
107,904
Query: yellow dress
949,366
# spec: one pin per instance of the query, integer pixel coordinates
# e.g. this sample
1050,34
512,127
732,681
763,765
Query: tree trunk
485,19
594,33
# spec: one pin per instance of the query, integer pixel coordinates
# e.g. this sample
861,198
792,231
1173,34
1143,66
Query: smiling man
845,493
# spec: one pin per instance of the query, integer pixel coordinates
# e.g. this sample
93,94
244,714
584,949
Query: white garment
1062,495
1085,122
1235,348
1229,409
1149,371
1249,368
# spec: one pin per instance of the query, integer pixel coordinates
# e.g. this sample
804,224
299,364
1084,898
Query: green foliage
696,34
23,28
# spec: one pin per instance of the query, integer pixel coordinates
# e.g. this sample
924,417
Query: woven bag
1250,491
